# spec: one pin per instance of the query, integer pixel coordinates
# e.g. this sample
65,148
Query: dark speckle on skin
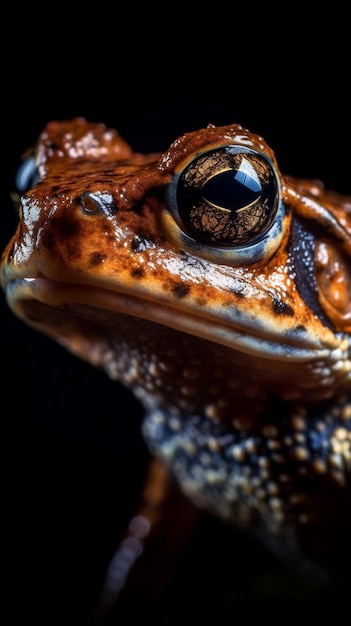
137,272
180,290
96,258
281,308
139,243
57,190
299,329
65,230
238,293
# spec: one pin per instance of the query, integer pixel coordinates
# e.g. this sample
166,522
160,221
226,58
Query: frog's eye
26,178
227,203
27,175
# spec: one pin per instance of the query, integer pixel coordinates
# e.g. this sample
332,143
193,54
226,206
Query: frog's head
198,273
219,291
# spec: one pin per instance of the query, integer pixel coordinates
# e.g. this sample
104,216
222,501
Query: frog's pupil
231,190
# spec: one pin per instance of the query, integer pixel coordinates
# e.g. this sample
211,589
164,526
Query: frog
217,290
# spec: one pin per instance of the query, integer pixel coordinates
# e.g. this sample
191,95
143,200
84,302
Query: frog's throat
57,308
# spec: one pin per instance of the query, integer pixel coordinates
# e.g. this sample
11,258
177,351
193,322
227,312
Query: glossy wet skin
224,306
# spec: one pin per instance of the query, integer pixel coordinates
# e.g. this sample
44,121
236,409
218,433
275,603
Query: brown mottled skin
235,336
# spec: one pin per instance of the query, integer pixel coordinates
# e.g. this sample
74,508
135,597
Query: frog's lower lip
54,307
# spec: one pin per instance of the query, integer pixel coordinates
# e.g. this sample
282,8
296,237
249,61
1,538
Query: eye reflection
231,187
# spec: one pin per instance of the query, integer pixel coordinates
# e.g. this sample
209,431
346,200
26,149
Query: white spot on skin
300,453
23,248
213,276
88,144
346,412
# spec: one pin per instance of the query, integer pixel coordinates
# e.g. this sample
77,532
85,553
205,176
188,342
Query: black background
73,456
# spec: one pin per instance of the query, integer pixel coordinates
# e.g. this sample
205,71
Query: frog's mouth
71,312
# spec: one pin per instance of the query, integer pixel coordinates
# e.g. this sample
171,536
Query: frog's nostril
93,203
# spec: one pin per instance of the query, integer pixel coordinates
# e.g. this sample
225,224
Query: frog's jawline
41,303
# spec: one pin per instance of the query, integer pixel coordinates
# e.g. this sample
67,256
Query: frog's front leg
145,560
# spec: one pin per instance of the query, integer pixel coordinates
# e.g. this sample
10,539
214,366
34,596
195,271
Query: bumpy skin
225,306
